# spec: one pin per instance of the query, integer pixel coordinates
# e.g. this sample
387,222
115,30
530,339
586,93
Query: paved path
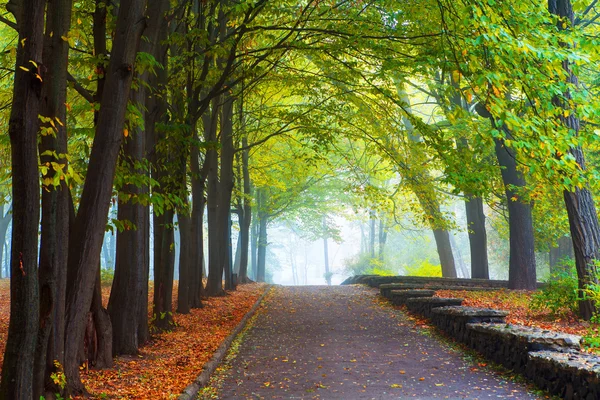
340,343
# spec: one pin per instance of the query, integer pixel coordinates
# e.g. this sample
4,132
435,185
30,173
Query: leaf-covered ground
517,303
171,360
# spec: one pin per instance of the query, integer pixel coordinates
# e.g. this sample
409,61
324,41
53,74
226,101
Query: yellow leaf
396,386
125,132
566,113
267,384
24,69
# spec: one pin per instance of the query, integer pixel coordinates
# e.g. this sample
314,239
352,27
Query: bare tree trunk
164,265
254,244
326,253
382,238
214,285
262,248
102,329
521,270
55,201
185,248
225,189
372,222
17,372
477,237
85,242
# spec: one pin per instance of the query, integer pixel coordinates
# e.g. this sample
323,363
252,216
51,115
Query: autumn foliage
171,360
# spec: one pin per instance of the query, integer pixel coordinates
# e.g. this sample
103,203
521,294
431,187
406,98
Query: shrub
106,276
559,296
424,269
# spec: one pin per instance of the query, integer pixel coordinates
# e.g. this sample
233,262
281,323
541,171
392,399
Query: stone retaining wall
552,360
376,280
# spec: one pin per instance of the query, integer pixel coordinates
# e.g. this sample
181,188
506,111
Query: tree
85,243
583,219
17,372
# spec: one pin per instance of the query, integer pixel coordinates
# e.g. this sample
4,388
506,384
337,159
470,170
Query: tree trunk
102,329
372,222
254,243
55,200
185,267
246,208
521,270
225,189
583,219
326,253
431,208
383,232
86,240
18,368
130,284
130,265
214,285
164,264
262,248
477,237
444,249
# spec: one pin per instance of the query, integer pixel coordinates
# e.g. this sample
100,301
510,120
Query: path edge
191,391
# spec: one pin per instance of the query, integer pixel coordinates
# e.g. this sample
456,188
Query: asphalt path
344,342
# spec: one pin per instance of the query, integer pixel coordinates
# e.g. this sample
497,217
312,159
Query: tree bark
254,243
225,189
262,248
247,212
372,222
442,238
185,267
55,200
130,284
521,269
164,264
102,330
583,219
86,240
214,285
477,237
382,238
18,367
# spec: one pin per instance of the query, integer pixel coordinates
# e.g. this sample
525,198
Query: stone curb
191,391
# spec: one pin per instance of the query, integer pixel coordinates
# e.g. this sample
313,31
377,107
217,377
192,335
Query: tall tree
85,243
55,198
583,219
18,366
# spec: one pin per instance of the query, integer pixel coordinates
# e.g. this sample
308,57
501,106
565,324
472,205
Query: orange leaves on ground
517,302
172,360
